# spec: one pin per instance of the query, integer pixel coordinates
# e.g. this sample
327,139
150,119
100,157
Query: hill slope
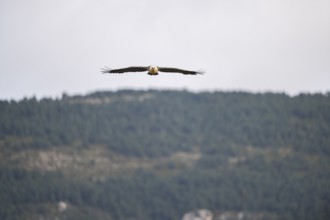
158,154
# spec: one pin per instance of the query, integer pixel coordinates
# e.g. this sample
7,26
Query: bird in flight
152,70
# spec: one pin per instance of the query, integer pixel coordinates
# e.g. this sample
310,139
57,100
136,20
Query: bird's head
153,70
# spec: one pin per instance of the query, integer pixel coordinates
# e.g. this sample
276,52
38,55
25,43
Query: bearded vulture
152,70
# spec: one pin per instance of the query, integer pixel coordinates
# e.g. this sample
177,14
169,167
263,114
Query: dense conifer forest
159,154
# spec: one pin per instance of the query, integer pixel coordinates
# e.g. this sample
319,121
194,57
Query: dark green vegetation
158,154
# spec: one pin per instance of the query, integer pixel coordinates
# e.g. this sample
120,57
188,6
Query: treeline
145,195
155,124
168,121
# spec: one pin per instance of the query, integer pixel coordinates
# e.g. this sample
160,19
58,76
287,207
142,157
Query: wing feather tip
105,70
200,72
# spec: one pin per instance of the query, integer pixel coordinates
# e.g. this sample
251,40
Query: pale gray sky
50,47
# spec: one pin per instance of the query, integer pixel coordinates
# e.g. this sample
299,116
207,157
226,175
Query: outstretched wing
124,70
176,70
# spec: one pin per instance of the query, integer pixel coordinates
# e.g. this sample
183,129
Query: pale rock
62,206
201,214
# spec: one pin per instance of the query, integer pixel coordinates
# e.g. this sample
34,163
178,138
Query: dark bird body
152,70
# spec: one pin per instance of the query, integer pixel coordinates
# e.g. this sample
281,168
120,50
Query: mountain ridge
158,154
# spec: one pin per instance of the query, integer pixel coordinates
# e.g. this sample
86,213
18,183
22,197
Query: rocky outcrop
201,214
204,214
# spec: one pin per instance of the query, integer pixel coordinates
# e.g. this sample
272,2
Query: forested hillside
159,154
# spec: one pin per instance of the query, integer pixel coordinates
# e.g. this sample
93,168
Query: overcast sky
50,47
